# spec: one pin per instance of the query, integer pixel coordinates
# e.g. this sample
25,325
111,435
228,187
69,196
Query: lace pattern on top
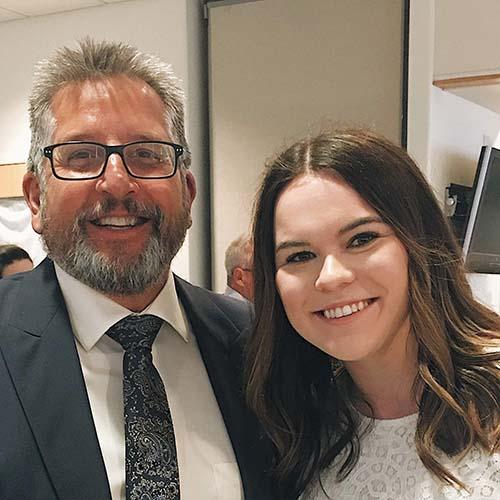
390,469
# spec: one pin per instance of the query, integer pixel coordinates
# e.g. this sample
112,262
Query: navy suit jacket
48,442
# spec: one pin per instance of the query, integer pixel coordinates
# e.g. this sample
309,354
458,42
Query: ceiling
11,10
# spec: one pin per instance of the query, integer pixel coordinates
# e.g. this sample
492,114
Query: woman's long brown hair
304,406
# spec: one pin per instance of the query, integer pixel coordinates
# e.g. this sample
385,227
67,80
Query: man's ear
31,190
238,274
191,187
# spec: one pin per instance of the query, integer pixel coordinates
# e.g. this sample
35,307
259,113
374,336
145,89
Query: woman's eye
299,257
362,239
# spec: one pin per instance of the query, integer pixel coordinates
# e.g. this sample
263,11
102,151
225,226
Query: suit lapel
40,352
217,336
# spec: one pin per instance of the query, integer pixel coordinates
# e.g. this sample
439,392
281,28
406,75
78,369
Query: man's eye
299,257
147,154
362,239
81,154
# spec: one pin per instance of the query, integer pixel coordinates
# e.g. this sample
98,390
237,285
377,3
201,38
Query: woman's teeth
347,310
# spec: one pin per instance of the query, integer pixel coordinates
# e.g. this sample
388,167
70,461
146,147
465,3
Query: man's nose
116,181
334,272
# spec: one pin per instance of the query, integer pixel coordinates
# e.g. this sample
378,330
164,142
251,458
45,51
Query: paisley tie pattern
151,471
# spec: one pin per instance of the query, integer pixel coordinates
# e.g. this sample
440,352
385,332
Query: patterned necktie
151,471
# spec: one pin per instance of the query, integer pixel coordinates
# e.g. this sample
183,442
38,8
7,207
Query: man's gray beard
71,249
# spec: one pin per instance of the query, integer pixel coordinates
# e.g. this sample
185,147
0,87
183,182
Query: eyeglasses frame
113,149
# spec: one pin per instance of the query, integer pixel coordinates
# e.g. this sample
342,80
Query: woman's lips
336,312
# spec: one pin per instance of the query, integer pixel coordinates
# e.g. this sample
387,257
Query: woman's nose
334,273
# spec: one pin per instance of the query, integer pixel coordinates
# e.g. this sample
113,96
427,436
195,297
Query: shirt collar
91,313
231,292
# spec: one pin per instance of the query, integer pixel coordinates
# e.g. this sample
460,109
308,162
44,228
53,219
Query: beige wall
11,179
284,68
466,40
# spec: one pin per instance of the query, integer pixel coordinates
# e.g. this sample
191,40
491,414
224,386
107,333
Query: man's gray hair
93,60
238,253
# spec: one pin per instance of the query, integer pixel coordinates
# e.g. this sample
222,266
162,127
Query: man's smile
119,222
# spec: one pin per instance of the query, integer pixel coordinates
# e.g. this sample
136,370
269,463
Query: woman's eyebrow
359,222
291,244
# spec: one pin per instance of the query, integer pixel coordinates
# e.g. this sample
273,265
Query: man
239,269
87,413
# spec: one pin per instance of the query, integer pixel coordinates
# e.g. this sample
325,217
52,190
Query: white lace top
389,469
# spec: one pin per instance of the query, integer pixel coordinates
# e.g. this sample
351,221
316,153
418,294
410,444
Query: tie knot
134,332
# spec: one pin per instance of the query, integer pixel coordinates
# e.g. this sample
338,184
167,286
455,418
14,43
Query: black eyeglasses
77,160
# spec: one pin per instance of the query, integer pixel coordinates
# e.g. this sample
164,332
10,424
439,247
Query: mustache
133,208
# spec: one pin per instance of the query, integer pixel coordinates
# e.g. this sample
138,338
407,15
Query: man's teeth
117,221
347,310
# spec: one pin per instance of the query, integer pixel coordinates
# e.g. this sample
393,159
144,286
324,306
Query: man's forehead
110,87
117,105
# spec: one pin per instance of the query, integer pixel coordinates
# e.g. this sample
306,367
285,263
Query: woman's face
342,274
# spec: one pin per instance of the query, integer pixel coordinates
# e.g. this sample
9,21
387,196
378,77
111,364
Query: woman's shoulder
480,471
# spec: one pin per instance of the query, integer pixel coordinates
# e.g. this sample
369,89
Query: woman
372,367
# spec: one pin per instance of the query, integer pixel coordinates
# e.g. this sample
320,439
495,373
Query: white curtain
15,227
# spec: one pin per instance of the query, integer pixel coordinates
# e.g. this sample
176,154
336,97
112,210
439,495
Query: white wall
15,227
458,130
465,43
420,73
156,26
281,69
486,289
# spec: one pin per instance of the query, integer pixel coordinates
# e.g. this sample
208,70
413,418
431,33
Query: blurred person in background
13,260
239,268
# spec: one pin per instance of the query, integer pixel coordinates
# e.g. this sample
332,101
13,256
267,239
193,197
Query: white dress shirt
207,465
231,292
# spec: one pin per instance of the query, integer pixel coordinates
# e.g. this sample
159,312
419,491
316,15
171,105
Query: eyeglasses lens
85,160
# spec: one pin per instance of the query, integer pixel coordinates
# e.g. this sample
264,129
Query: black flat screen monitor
481,246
